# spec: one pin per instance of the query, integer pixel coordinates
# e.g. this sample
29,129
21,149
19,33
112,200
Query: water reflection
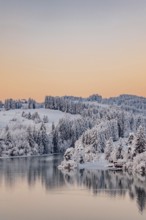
44,169
33,169
112,184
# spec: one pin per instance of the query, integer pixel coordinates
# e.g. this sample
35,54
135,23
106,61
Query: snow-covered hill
34,131
12,116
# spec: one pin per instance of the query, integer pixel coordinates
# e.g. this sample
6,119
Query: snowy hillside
12,116
114,123
33,131
132,103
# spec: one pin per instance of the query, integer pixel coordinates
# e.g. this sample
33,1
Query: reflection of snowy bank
113,184
68,165
43,170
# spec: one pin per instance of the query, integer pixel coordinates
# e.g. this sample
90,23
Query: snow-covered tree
31,103
95,97
140,141
30,137
108,149
44,141
1,104
12,104
131,146
36,118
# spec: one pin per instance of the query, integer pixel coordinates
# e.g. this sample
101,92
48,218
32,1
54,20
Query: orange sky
72,49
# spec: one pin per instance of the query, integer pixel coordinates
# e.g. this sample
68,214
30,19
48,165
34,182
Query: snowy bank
128,154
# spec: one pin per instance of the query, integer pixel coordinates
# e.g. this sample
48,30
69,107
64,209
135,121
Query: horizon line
84,97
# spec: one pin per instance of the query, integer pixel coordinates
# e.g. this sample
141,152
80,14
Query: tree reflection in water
44,170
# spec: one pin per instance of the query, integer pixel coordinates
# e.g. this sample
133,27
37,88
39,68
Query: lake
34,189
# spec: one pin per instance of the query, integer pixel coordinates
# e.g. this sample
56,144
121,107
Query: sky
72,47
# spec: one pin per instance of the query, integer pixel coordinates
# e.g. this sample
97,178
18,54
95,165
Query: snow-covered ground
99,164
10,117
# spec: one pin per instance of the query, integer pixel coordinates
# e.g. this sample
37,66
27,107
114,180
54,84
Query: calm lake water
34,189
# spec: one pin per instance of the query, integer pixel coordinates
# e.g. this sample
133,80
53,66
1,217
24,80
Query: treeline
131,103
18,104
75,105
64,104
57,103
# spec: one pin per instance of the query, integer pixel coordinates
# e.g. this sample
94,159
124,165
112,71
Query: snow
11,116
99,164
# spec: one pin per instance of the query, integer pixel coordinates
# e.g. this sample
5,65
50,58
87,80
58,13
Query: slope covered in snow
34,132
10,117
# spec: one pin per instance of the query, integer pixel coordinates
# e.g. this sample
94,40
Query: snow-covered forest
82,128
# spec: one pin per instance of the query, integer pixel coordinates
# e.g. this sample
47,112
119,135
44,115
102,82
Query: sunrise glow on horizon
65,47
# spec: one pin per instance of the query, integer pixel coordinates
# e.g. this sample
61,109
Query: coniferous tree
108,149
140,141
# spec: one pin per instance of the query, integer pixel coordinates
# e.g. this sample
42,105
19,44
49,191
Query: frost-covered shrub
45,119
35,116
128,167
69,153
90,154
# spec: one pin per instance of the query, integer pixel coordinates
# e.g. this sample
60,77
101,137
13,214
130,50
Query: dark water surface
34,189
